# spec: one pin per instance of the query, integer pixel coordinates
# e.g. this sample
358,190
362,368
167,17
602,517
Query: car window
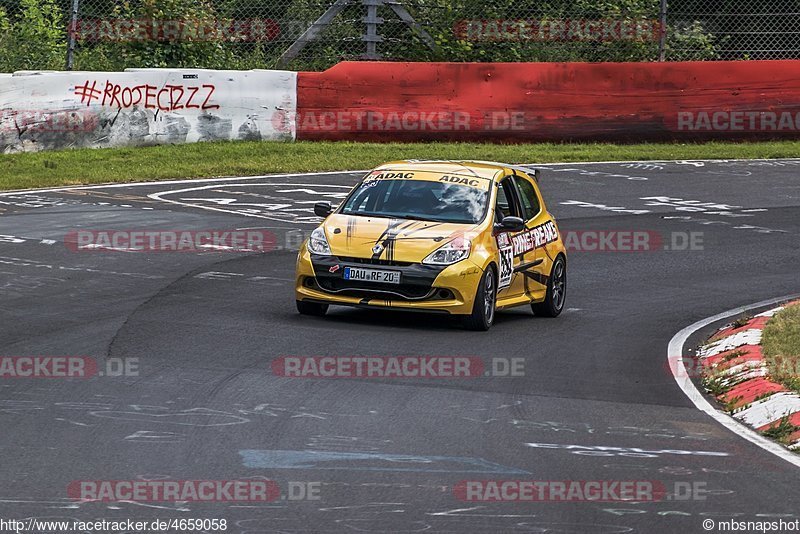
506,204
428,200
530,202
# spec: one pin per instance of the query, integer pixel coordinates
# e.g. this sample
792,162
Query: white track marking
158,196
682,377
301,174
175,182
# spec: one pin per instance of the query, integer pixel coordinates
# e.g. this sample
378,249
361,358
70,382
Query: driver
415,197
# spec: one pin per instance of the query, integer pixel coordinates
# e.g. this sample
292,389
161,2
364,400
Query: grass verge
781,345
204,160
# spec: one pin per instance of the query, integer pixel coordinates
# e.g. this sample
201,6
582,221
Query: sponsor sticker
534,238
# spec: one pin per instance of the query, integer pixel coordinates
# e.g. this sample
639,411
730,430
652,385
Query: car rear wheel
483,309
311,308
553,303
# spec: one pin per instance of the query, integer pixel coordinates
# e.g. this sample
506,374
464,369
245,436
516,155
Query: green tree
34,38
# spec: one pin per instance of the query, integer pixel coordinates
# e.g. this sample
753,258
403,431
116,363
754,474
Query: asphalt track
596,402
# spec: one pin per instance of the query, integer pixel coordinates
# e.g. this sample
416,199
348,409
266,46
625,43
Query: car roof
490,170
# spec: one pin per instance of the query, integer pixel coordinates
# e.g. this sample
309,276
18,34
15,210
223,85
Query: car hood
404,240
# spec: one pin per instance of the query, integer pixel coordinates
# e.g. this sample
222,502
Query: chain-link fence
734,29
315,34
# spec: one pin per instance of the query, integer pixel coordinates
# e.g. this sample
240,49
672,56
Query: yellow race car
459,237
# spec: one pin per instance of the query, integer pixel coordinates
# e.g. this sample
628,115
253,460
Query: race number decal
506,257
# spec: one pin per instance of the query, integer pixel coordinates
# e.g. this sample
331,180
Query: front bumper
449,289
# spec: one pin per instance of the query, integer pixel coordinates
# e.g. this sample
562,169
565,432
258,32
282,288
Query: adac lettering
534,238
460,180
391,176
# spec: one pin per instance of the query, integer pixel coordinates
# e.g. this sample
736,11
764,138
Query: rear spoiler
536,172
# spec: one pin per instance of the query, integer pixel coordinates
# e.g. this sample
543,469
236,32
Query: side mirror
322,209
512,224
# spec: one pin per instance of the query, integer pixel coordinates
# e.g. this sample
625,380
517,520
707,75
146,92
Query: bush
33,34
34,38
153,53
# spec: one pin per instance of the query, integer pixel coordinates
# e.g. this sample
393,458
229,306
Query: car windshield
439,198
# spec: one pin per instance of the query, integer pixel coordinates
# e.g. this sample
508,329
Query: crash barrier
380,101
51,110
550,101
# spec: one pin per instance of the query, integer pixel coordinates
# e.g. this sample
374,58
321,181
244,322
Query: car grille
370,290
373,261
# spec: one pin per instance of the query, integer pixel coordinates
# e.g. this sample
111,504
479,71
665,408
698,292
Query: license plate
371,275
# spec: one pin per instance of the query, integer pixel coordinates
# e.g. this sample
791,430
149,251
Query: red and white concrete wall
380,101
734,359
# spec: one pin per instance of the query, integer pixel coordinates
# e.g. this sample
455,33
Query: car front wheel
483,309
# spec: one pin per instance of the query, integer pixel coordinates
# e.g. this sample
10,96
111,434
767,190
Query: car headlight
318,243
450,253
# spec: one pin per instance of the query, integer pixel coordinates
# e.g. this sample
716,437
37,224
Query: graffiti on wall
170,97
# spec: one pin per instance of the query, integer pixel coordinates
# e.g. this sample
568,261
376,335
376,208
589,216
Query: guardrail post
372,20
71,29
662,31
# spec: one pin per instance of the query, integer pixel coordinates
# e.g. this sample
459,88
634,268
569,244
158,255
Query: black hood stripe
388,236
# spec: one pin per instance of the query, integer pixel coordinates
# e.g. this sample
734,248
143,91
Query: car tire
311,308
485,305
553,302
